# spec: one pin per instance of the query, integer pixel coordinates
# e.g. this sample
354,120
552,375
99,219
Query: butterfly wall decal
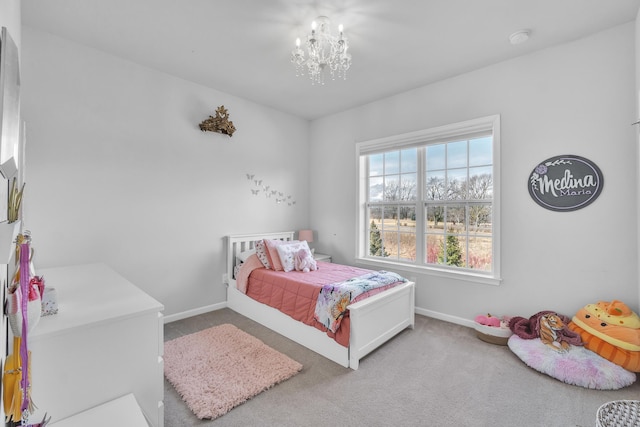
279,196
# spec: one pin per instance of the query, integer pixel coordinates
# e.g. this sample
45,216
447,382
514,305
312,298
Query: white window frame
444,133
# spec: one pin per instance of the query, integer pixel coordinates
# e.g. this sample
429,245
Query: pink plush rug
219,368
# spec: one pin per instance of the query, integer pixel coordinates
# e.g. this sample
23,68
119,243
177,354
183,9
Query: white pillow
288,251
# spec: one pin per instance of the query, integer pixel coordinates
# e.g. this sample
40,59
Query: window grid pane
462,237
455,229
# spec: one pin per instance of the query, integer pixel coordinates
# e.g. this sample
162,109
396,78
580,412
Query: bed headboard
242,242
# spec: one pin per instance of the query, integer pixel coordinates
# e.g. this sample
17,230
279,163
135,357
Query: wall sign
565,183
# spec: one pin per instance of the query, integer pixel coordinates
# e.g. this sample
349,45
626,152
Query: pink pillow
272,252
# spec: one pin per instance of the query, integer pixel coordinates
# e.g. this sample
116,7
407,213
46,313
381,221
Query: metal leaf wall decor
220,123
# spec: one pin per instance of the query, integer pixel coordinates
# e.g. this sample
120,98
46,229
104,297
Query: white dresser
123,411
106,341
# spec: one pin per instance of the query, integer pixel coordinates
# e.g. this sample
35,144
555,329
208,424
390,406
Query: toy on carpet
612,330
488,320
545,343
550,327
492,329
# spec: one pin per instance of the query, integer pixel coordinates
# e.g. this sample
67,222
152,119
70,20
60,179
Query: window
430,200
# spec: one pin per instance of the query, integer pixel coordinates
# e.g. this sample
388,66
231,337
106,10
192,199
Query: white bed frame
374,320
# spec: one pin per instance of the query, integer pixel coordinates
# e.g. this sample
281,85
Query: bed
372,321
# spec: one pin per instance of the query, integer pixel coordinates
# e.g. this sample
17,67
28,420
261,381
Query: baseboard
446,317
421,311
196,311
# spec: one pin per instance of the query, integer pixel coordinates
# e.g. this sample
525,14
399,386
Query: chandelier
324,51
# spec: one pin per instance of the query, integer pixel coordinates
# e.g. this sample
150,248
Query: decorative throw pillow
261,252
236,270
272,251
289,251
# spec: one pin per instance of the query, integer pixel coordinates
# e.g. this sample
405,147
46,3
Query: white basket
619,413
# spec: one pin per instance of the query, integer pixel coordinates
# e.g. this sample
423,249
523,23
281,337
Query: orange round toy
612,330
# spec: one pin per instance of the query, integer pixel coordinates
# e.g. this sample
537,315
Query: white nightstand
322,257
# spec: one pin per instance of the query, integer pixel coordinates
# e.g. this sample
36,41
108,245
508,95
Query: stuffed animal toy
612,330
304,261
488,320
549,326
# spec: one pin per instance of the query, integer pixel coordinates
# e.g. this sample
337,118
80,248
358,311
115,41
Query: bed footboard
377,319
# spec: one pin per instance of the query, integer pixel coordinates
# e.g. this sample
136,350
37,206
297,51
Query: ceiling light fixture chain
324,51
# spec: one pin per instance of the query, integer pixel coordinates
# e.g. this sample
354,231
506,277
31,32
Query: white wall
576,98
119,172
637,127
10,18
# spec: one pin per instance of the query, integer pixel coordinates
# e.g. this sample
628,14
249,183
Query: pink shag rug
219,368
578,366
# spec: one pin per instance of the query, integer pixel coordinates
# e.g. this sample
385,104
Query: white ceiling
242,47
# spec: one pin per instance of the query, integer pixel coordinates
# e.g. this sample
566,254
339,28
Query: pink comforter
295,293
